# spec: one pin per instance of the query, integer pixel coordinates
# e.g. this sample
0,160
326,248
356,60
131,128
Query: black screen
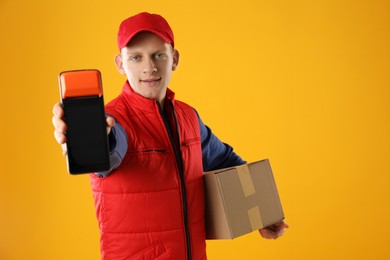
87,141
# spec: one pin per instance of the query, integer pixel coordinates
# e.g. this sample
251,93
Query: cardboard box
240,200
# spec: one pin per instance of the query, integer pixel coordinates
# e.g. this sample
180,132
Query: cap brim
126,41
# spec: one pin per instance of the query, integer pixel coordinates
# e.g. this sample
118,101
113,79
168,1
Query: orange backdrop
303,83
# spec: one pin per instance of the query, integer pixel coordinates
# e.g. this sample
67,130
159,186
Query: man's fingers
110,123
274,231
61,139
58,114
64,150
59,130
267,234
280,232
270,234
60,136
59,124
58,111
281,225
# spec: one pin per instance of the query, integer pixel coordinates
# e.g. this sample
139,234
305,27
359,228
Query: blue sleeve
118,147
216,154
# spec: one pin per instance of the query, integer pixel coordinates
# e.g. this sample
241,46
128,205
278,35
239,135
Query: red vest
148,208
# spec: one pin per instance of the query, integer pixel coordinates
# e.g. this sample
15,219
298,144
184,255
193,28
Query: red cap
144,22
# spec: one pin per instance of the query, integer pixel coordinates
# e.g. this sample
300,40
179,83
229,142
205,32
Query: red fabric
140,205
154,23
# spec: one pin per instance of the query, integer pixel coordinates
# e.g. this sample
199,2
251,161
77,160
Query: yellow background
303,83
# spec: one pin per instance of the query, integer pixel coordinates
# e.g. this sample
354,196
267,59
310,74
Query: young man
150,204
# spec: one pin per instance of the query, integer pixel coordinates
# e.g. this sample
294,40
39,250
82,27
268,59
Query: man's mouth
151,82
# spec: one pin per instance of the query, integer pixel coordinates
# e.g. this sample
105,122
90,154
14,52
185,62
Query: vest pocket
152,252
154,151
148,151
190,142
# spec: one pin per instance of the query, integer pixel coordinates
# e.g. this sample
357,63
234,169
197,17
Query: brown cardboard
240,200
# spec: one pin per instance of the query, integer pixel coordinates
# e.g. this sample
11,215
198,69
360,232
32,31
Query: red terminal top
78,83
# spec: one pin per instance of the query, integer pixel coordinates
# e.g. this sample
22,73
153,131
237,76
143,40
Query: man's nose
149,66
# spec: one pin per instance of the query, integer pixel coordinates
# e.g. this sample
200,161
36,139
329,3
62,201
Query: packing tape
255,218
246,180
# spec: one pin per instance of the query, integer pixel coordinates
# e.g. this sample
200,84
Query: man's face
148,62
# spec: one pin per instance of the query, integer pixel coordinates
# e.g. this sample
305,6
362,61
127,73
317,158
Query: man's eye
160,55
134,58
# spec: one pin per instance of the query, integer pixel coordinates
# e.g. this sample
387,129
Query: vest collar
143,103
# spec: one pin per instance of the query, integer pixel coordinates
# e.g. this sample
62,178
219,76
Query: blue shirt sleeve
118,147
216,154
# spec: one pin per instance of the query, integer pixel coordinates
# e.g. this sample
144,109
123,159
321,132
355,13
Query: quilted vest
152,206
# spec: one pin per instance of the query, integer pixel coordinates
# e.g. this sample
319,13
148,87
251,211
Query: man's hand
60,126
274,231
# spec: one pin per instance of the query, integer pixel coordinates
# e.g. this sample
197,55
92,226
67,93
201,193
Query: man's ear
119,64
176,56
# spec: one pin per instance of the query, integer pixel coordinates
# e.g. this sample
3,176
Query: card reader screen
87,142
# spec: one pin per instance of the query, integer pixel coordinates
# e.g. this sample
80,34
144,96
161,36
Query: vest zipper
179,160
